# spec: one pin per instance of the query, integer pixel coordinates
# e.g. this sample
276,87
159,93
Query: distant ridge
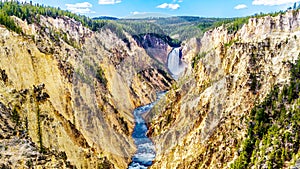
105,18
147,15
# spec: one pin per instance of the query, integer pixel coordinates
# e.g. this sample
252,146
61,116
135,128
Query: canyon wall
204,119
67,94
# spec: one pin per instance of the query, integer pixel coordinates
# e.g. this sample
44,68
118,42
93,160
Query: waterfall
175,65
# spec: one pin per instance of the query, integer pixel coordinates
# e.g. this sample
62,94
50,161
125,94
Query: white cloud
273,2
80,5
109,2
169,6
240,6
179,1
81,8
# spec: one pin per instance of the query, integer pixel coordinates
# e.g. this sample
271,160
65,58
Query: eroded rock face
74,91
155,46
202,118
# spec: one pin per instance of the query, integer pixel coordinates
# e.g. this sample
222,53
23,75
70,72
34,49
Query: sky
202,8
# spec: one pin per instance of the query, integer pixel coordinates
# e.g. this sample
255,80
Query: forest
180,28
273,132
31,12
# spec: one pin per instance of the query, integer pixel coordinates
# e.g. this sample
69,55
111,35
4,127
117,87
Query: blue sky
204,8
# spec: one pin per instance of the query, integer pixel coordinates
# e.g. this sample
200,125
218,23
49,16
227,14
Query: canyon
71,97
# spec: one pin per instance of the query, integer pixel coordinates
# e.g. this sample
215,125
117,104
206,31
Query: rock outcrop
204,118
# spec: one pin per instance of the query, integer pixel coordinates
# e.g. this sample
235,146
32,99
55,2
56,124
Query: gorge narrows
145,153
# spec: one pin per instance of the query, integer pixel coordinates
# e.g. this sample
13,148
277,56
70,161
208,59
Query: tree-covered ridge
234,24
8,22
31,12
181,27
140,27
105,18
272,138
184,26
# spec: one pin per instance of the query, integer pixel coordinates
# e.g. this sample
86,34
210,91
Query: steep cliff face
70,92
157,46
204,119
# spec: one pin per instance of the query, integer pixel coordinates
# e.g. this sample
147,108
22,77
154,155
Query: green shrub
16,117
100,76
9,23
39,132
197,58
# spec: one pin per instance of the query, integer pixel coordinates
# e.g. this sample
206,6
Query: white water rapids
145,153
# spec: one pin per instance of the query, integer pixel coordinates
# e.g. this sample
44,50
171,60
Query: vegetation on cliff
234,24
240,67
9,22
274,128
30,12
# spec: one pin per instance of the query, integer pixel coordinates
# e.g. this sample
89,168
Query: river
145,153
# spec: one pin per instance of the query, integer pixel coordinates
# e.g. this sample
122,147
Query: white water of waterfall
175,65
